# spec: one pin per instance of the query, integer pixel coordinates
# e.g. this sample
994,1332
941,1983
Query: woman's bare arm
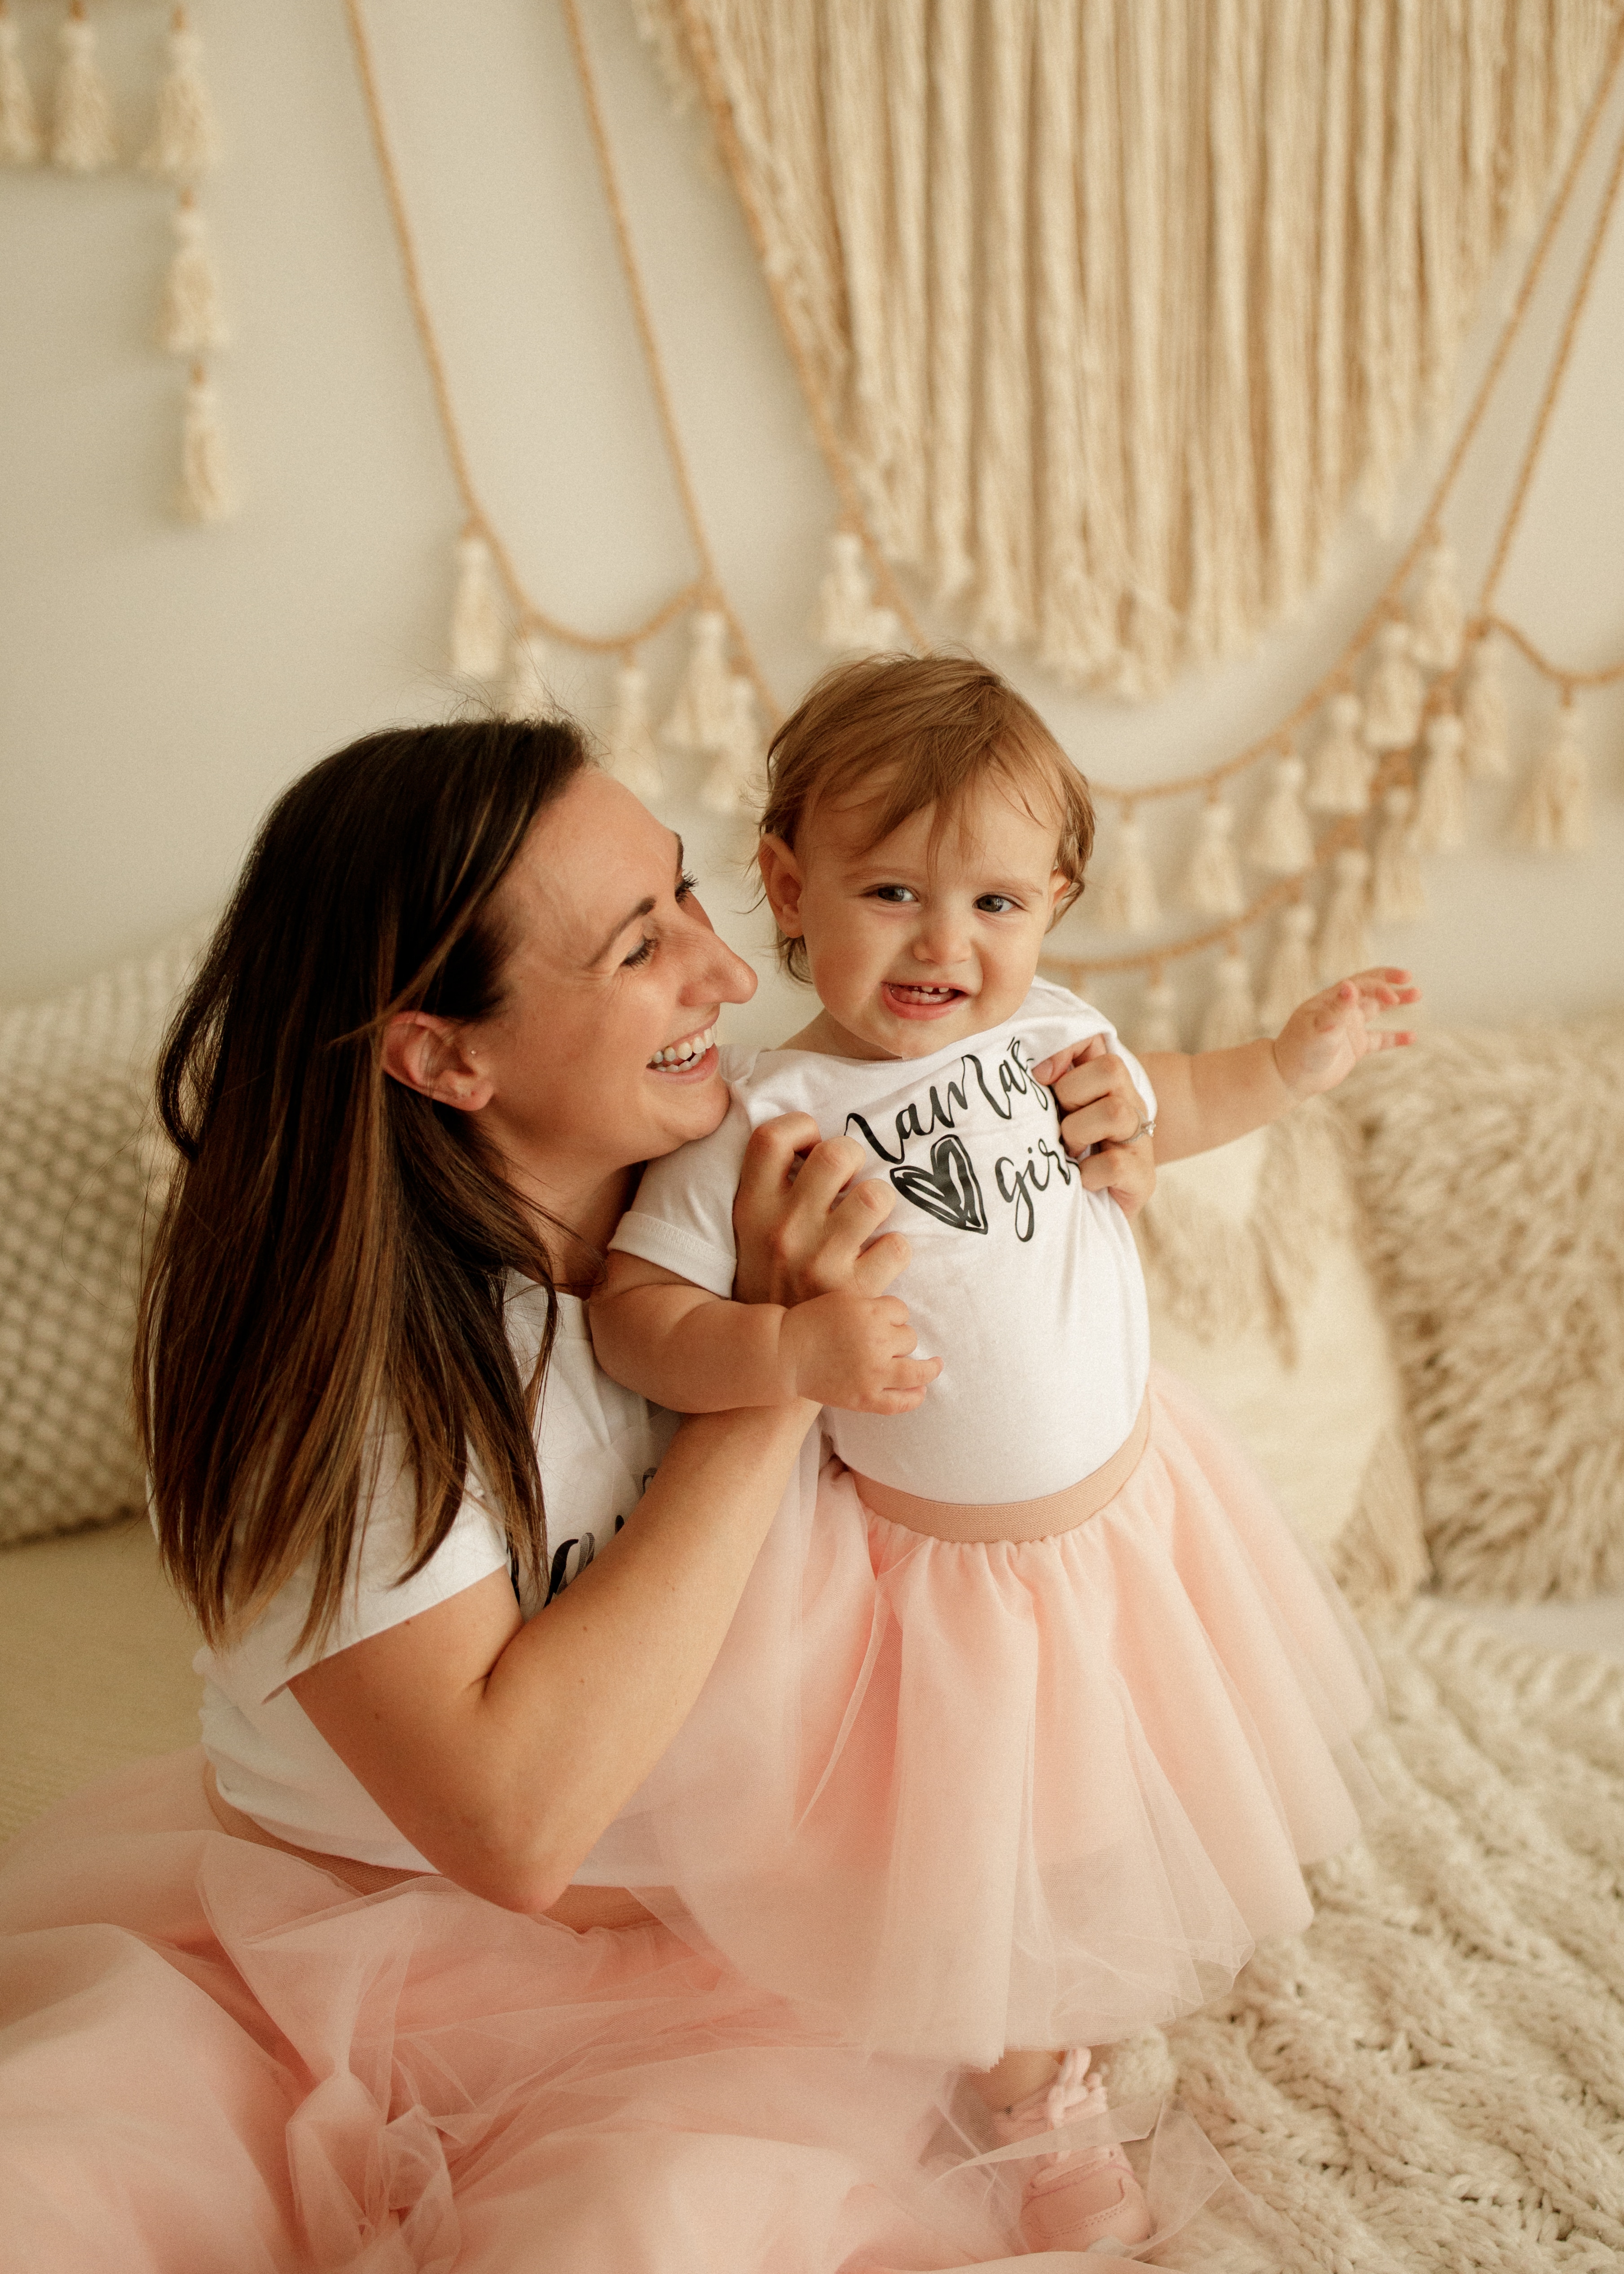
500,1750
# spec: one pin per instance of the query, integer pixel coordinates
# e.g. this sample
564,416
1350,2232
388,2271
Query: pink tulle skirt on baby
961,1797
216,2056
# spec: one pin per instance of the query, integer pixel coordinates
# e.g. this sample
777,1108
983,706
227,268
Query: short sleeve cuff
691,1259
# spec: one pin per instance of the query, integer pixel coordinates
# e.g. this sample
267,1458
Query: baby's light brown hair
932,729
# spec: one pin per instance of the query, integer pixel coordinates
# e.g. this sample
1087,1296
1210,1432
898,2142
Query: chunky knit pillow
75,1169
1491,1169
1260,1299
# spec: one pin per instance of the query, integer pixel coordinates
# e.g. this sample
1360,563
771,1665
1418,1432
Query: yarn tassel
1283,842
1212,880
1343,945
632,758
205,491
1437,620
1395,690
1397,894
190,321
1290,979
1554,815
1482,715
735,780
1441,807
1157,1029
848,621
1342,775
478,620
186,143
1126,898
82,110
703,713
1231,1016
527,694
21,142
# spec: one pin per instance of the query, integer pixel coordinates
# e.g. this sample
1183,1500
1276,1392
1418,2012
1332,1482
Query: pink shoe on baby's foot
1082,2194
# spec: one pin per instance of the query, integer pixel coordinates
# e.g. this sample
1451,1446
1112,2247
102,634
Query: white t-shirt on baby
1026,1286
598,1445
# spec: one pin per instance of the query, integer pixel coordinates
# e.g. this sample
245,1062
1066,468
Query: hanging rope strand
1553,383
428,340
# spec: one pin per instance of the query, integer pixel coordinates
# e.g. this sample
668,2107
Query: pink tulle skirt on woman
961,1797
214,2056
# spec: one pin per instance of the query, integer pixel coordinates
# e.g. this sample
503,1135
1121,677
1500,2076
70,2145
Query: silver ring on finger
1146,1128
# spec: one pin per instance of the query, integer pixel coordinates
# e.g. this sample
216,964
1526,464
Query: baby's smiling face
914,945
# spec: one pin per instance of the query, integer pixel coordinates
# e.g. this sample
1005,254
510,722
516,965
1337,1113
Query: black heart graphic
947,1189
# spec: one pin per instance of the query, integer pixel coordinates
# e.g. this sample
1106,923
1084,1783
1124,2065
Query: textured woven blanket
1432,2077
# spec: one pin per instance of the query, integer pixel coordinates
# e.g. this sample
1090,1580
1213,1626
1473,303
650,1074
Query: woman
346,1993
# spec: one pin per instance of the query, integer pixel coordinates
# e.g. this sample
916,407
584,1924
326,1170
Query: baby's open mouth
681,1057
915,1000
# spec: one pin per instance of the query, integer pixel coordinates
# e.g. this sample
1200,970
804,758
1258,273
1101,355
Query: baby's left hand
1325,1038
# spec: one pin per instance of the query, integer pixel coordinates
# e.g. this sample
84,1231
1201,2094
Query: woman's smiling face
602,1051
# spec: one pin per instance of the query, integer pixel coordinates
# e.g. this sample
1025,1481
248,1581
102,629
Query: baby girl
1071,1708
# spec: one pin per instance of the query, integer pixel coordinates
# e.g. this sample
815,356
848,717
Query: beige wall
160,683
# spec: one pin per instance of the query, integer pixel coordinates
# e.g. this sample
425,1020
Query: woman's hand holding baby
1325,1038
1099,1107
802,1224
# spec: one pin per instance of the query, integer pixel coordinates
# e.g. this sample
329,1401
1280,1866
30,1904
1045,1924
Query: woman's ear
782,882
431,1055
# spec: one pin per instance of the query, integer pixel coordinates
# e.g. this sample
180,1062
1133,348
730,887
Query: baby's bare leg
1012,2079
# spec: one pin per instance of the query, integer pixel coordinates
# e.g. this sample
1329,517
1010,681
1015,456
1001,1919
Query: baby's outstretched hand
1325,1038
851,1350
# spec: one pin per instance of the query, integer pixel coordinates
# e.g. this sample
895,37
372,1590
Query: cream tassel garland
849,620
1343,945
478,619
1554,815
1282,842
1213,879
1397,894
1483,716
632,758
205,491
703,713
1157,1028
1231,1016
81,111
528,694
735,780
1440,807
1438,621
190,321
1290,979
1342,775
186,144
1126,898
21,142
1394,691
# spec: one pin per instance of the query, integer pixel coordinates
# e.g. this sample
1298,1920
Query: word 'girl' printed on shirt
936,1123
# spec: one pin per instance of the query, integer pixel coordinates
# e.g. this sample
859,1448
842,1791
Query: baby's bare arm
688,1350
696,1353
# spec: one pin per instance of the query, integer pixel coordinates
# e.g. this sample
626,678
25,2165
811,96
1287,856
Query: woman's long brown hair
335,1247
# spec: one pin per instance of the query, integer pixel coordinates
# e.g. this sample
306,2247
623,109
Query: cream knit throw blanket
1432,2077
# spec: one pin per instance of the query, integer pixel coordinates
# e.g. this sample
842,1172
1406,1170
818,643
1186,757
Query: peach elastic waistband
968,1521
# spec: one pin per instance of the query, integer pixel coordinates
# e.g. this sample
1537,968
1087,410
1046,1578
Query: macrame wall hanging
1369,770
1115,306
79,132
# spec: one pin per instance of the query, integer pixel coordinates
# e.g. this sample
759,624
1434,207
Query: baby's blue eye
996,904
893,895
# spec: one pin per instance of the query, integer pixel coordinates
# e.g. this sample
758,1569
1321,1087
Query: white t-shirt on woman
598,1445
